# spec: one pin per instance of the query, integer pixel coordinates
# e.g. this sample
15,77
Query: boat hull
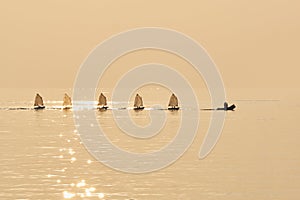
103,108
39,107
231,108
175,108
138,108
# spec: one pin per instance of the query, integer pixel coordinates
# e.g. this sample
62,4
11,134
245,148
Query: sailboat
38,102
102,103
138,103
67,104
173,103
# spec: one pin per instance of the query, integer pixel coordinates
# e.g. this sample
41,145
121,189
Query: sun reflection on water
89,161
68,195
78,189
87,191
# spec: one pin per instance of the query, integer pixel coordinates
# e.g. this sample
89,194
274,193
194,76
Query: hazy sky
254,43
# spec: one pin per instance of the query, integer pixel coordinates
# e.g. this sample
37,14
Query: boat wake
110,108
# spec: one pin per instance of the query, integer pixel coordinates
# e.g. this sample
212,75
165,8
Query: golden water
257,156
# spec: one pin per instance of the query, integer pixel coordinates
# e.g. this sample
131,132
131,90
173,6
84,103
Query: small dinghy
38,103
102,103
226,107
173,103
67,104
138,103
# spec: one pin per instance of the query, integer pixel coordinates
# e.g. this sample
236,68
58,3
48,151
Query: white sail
38,101
67,100
173,101
102,100
138,101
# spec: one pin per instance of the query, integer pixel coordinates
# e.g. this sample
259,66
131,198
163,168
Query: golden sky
254,43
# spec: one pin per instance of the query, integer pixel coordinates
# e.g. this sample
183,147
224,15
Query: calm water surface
257,156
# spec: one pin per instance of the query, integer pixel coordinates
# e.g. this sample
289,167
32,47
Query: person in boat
225,105
173,103
38,102
138,103
102,102
67,104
